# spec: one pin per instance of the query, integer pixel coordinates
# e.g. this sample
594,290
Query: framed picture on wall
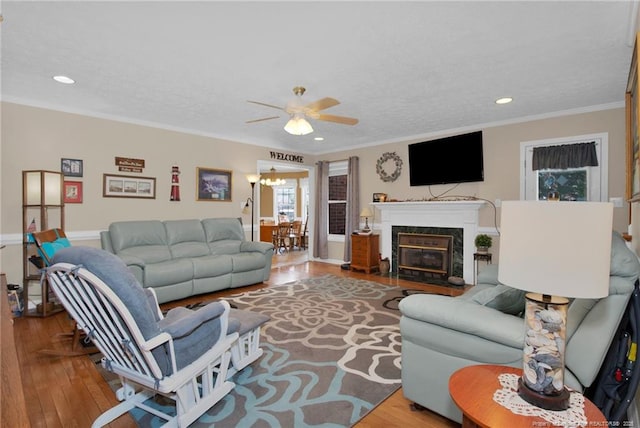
71,167
213,185
125,186
72,192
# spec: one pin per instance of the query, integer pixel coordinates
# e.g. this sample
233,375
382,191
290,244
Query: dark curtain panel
565,156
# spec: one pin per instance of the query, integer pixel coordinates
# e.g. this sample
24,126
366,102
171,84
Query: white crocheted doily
508,398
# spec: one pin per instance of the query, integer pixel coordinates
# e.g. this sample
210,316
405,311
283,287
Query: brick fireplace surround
432,214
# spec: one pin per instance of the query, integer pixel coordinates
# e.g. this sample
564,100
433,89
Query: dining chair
295,234
281,237
304,236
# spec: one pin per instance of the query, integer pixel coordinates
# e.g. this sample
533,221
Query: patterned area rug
331,354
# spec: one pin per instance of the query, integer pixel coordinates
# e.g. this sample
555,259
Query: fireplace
458,218
424,257
427,254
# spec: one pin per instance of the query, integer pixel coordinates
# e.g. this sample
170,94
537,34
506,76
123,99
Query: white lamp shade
52,189
298,125
366,212
33,187
253,178
43,188
556,248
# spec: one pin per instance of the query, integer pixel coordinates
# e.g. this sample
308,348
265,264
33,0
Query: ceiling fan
298,112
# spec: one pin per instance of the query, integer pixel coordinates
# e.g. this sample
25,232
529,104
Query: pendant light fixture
271,180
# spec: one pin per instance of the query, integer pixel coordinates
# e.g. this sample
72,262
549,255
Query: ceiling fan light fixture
299,111
298,125
64,79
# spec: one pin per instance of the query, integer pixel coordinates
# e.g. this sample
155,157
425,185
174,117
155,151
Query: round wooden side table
472,390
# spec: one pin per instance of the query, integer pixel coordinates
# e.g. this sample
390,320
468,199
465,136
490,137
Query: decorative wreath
384,176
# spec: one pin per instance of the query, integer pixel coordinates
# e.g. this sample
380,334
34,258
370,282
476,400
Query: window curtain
565,156
321,222
352,221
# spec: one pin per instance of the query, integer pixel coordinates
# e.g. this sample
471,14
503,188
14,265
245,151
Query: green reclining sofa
181,258
442,334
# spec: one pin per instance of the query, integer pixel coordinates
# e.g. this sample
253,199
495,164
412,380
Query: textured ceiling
406,70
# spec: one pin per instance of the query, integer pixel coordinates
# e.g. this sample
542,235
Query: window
284,201
573,184
337,198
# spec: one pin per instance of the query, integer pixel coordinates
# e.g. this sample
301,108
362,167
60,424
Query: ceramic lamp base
555,402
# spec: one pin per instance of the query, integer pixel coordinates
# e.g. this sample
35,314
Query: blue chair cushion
115,274
193,332
50,248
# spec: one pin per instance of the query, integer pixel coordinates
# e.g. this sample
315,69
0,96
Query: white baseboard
80,235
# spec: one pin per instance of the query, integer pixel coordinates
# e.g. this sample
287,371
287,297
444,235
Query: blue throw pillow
50,248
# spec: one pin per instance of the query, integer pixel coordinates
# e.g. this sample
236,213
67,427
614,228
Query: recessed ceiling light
504,100
319,138
64,79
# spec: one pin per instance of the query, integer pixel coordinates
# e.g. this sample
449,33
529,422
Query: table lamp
366,213
552,250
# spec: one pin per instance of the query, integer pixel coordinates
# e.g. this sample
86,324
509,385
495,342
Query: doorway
291,199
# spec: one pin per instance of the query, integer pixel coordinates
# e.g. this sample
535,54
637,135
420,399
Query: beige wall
35,138
501,164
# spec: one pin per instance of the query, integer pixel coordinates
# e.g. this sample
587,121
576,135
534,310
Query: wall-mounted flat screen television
456,159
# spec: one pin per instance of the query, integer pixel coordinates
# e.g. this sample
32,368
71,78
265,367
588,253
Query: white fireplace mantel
455,214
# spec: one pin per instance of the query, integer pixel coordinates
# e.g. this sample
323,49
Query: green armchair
442,334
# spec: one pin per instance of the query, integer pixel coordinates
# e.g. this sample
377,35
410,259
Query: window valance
565,156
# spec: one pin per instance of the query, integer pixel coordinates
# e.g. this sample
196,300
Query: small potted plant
483,243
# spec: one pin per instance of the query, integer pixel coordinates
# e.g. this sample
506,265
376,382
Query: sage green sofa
181,258
442,334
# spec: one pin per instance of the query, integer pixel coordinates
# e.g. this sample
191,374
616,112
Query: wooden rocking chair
183,356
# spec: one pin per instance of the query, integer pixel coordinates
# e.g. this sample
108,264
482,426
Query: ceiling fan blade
265,104
322,104
264,118
338,119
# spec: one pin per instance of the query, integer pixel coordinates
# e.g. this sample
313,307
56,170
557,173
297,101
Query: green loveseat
181,258
442,334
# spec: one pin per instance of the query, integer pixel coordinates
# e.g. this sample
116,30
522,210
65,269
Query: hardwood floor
69,391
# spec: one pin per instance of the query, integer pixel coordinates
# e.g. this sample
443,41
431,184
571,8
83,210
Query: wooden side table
472,389
365,253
